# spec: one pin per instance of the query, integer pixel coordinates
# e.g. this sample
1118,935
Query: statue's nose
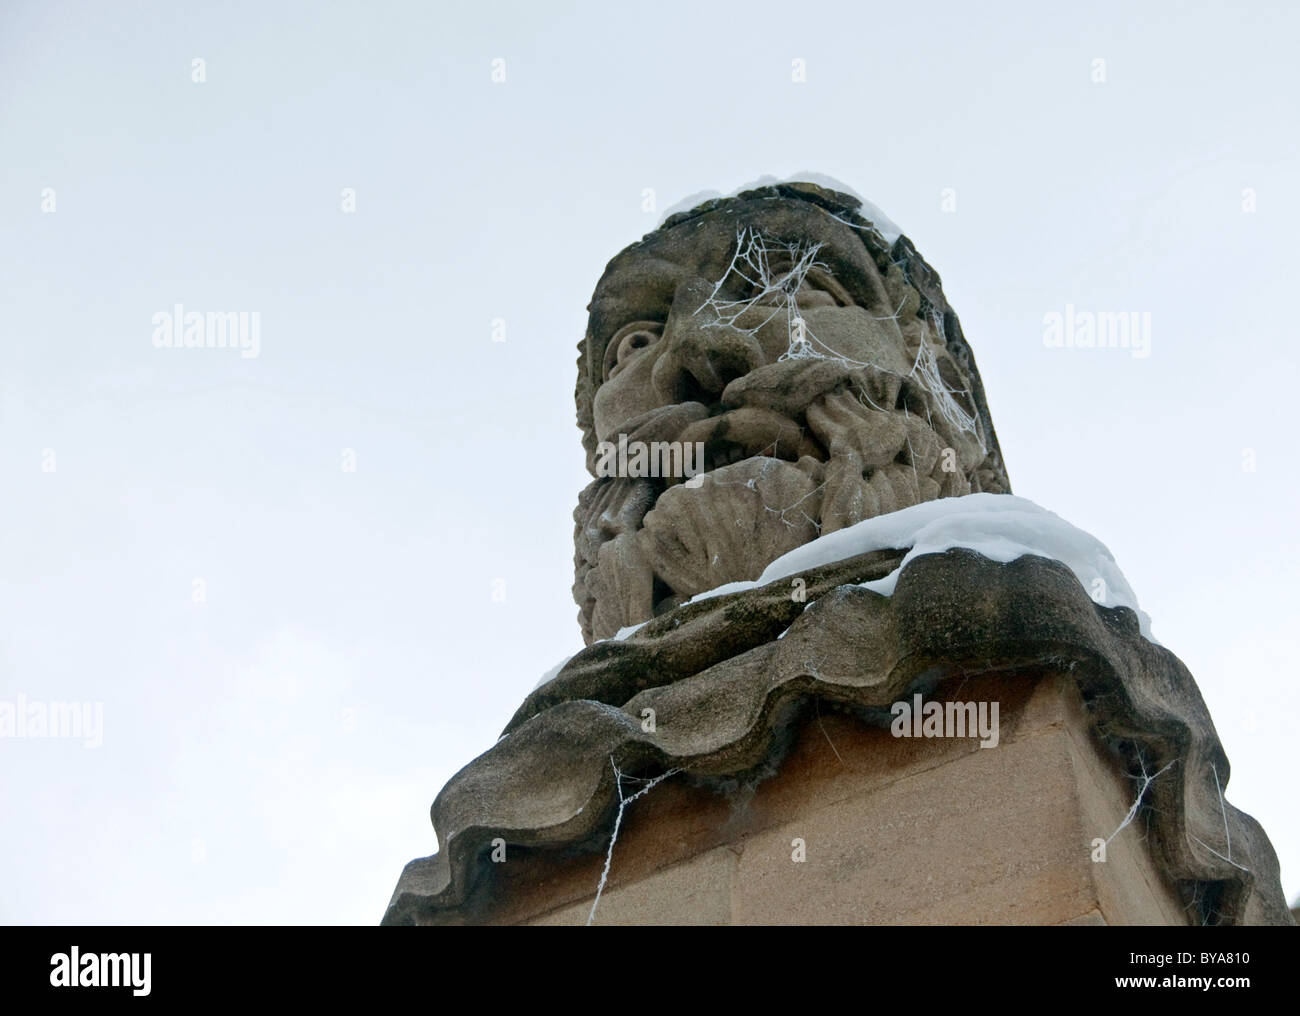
701,355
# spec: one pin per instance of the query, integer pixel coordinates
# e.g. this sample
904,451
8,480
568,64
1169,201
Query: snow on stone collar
1001,527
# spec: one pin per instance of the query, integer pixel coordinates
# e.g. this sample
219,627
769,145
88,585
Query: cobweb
925,370
758,269
623,801
752,265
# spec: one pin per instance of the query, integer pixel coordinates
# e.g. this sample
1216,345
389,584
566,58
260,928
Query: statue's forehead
640,282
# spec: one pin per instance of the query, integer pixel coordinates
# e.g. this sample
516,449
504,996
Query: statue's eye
809,297
820,289
814,289
628,343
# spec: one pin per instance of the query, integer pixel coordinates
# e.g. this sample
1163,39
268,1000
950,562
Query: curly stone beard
795,449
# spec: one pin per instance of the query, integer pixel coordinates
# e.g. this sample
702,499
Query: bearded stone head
815,366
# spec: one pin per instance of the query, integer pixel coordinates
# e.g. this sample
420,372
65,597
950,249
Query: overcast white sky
270,755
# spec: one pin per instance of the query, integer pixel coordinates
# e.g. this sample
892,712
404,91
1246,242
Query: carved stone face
819,369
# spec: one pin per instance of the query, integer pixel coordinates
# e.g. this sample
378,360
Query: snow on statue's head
758,372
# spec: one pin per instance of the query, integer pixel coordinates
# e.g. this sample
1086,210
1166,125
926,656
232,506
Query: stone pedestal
893,831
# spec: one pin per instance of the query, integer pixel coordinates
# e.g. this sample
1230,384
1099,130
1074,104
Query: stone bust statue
815,364
777,403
